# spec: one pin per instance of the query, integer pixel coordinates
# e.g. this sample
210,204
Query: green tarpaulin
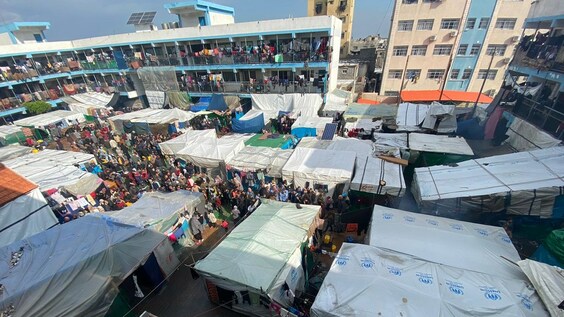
554,243
277,142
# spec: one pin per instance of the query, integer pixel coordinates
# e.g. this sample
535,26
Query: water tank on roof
164,26
173,25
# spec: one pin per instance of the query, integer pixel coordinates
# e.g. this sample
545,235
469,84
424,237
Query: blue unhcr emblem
367,263
387,216
409,219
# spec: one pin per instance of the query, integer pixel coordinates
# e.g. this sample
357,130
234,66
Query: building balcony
247,87
543,54
20,99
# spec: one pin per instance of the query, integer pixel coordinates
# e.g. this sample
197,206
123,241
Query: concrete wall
219,18
5,39
546,8
191,19
26,35
335,43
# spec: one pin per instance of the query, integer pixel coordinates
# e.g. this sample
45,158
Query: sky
72,19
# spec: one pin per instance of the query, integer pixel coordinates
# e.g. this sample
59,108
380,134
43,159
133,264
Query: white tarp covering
7,130
336,101
524,136
158,210
163,116
156,99
369,173
204,149
40,121
253,113
369,281
531,180
549,283
256,252
172,146
460,244
12,151
25,216
253,158
316,166
439,144
360,147
54,169
297,104
446,113
134,115
73,269
390,143
365,124
84,102
411,115
317,123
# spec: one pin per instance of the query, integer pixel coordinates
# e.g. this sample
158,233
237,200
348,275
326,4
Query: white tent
524,183
75,269
84,103
296,104
13,150
306,125
365,124
319,168
151,116
54,169
410,116
524,136
336,101
253,113
360,147
204,149
253,158
158,210
549,283
61,118
369,281
390,143
371,171
447,115
469,246
439,144
263,252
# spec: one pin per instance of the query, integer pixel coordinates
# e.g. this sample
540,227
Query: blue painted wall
478,9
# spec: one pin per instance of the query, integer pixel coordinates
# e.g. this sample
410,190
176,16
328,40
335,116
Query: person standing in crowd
197,229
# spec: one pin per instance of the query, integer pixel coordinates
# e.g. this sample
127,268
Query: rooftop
12,185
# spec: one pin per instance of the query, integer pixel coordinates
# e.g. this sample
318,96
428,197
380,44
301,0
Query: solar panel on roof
148,17
135,18
329,132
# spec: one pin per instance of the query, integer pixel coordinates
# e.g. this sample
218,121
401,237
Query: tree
37,107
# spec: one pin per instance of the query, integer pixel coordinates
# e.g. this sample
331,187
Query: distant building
450,44
534,89
342,9
371,51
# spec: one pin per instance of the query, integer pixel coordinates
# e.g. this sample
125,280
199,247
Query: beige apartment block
342,9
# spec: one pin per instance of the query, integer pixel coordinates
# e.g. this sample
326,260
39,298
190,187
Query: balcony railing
251,88
15,102
98,65
540,115
540,55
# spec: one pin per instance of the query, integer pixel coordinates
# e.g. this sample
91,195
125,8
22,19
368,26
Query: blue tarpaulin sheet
202,105
253,125
217,103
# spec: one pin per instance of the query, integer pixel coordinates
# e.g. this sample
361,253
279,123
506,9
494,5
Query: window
483,73
484,22
419,50
413,73
462,49
435,73
442,50
499,49
405,25
202,21
449,24
467,74
400,51
470,23
454,73
426,24
318,8
506,24
343,35
408,1
475,49
395,73
38,38
344,71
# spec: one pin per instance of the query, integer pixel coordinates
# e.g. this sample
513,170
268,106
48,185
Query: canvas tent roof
411,115
45,119
6,130
366,124
82,102
541,171
297,104
465,245
258,249
158,210
369,281
155,116
524,136
370,171
361,111
55,169
390,142
336,101
549,283
328,167
317,123
439,144
13,150
73,269
253,158
204,149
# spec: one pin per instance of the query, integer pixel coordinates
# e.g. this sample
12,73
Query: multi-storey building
534,89
448,44
343,9
211,54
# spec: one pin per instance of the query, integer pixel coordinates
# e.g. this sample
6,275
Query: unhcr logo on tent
456,226
504,238
394,270
491,293
425,278
367,263
482,232
342,260
455,288
432,222
387,216
526,301
409,218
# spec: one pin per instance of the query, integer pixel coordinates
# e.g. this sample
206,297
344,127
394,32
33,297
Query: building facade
534,85
342,9
293,55
451,44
